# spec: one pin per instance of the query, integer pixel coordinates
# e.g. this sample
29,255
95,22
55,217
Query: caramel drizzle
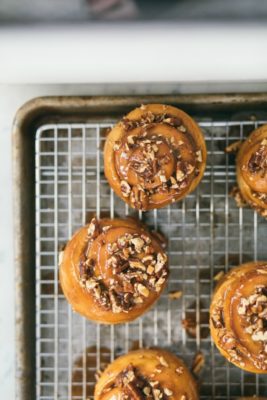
133,279
153,163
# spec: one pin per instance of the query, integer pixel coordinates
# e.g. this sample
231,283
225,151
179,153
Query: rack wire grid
206,234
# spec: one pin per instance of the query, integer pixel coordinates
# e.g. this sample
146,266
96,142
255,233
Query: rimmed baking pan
59,183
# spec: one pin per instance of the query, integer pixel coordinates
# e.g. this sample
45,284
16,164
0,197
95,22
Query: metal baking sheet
59,185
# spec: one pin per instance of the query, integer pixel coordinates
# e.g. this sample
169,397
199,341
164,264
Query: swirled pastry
154,156
251,168
146,374
113,270
238,317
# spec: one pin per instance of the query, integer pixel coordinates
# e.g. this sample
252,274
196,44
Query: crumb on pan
218,276
175,295
233,147
198,362
236,194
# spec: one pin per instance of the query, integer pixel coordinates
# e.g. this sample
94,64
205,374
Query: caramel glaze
154,156
238,317
113,270
251,168
146,375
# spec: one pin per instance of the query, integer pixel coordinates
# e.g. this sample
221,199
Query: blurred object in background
19,11
31,11
113,9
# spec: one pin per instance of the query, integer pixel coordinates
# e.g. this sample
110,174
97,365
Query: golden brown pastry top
146,375
252,170
154,156
238,316
113,270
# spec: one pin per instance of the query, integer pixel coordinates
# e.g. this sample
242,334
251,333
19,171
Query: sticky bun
154,156
146,374
113,270
238,317
251,170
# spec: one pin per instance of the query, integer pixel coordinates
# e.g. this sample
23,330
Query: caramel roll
146,374
251,168
113,270
238,317
154,156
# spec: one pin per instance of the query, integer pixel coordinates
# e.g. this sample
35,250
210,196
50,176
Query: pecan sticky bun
113,270
154,156
146,375
251,169
238,317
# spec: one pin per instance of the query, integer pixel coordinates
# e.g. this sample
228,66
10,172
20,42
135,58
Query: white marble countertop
11,98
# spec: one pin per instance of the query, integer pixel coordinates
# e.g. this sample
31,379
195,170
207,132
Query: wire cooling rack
206,234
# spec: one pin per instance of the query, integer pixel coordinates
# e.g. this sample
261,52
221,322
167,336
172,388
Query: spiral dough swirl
154,156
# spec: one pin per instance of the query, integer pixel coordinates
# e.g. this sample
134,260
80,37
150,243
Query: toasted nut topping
117,146
233,147
138,300
199,156
190,168
262,271
150,270
106,228
91,228
168,392
147,390
253,310
259,336
161,260
113,261
179,175
218,276
163,178
182,128
137,264
147,258
130,139
159,284
60,257
240,201
91,284
125,188
162,361
198,362
157,394
142,290
179,370
138,244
